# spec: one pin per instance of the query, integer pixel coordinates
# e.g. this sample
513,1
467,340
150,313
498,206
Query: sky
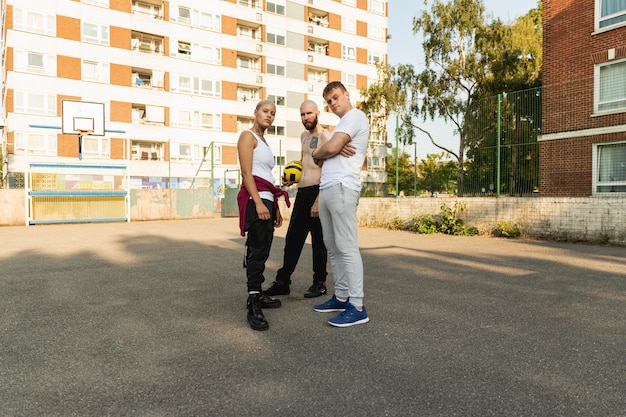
404,47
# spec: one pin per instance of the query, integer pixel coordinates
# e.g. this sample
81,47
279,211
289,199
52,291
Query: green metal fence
502,152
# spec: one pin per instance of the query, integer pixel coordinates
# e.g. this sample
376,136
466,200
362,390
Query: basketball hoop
81,133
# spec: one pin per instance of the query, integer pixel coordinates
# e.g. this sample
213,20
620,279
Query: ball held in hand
292,171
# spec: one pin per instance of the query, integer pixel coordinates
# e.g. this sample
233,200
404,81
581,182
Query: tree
464,61
437,175
405,173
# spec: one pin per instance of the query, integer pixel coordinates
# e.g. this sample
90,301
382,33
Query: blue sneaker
349,317
331,305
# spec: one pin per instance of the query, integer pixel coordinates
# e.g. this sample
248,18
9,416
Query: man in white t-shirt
341,158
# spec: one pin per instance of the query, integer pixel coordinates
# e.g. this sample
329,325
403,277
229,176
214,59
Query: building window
276,130
208,120
348,25
208,88
376,6
142,113
318,76
376,32
35,62
610,86
245,93
33,103
210,21
184,151
95,71
96,147
348,53
248,32
276,6
183,49
94,33
609,168
183,15
209,54
275,68
276,38
36,143
277,99
349,80
101,3
146,9
248,63
349,2
612,12
147,43
374,58
36,22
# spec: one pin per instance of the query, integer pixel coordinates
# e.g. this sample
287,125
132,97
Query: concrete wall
577,219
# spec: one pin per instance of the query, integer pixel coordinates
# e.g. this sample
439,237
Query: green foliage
447,222
466,57
406,173
450,222
437,175
506,229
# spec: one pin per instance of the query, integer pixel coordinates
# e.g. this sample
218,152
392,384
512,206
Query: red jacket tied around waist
261,185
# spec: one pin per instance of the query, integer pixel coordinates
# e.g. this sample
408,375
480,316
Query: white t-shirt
262,165
340,169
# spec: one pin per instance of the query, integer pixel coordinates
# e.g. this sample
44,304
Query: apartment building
583,142
178,80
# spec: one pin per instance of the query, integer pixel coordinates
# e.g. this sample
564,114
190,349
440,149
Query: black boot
269,302
255,314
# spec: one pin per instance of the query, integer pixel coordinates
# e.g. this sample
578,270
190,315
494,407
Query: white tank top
262,164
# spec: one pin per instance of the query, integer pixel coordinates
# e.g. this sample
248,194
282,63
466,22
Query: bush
506,229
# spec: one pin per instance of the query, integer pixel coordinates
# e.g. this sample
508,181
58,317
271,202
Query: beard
311,125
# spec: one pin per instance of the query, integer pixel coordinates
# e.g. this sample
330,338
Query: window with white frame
318,76
276,36
349,2
277,98
276,6
610,12
209,54
609,173
247,93
208,120
95,71
142,113
147,9
210,21
95,33
181,83
184,151
348,52
248,32
35,62
276,130
183,49
348,25
376,32
101,3
208,88
36,143
376,6
610,86
96,147
349,80
275,67
35,103
181,118
248,63
375,162
32,21
181,14
375,57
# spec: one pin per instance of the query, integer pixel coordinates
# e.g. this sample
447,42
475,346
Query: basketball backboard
85,116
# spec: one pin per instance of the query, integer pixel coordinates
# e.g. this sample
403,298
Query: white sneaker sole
362,321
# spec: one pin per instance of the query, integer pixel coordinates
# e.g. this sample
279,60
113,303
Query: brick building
178,79
583,142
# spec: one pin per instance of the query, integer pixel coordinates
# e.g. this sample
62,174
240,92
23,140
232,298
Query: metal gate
77,193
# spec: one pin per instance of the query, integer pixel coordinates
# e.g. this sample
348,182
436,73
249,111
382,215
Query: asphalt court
148,319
